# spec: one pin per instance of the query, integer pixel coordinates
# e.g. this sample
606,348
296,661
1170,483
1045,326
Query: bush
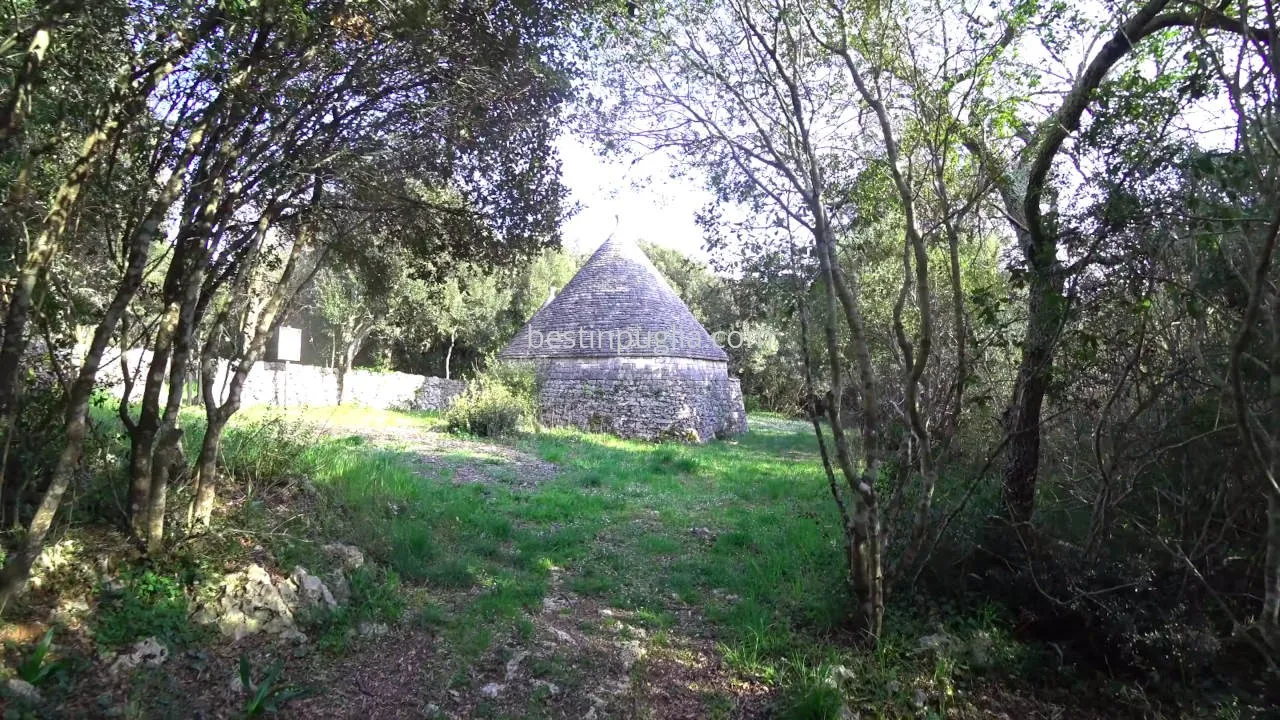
500,402
268,451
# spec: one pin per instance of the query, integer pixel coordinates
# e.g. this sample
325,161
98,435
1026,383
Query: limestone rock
23,691
373,629
338,586
935,642
563,637
248,602
492,690
513,665
69,611
251,601
551,688
62,562
150,652
630,652
980,648
348,557
703,534
310,591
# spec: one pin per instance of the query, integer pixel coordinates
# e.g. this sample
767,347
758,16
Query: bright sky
639,191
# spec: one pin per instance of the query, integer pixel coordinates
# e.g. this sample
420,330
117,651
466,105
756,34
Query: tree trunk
207,473
165,461
344,366
453,335
866,573
42,251
20,96
18,567
282,296
1270,619
1046,309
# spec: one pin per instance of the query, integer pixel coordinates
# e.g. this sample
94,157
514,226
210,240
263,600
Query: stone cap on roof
617,305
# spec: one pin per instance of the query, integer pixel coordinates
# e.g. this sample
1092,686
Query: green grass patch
145,604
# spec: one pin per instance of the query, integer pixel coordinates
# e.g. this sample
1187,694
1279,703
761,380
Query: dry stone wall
293,385
642,397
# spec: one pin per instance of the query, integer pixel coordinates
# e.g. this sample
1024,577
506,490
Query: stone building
618,351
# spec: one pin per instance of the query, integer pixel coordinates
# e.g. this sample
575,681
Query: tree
269,120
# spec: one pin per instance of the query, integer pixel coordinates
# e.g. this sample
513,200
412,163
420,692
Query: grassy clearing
737,541
743,532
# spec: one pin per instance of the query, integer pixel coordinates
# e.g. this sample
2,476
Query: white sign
288,344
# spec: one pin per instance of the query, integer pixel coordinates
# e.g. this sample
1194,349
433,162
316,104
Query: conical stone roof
617,305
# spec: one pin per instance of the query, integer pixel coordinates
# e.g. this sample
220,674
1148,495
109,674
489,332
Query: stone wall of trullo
650,398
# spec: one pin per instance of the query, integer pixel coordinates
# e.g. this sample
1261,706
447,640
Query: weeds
267,696
36,667
267,450
145,604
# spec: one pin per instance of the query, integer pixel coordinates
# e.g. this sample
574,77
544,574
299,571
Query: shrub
269,450
500,402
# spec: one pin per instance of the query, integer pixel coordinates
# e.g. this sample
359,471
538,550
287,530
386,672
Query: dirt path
582,660
578,658
472,461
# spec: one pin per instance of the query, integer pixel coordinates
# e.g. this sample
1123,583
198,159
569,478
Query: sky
634,197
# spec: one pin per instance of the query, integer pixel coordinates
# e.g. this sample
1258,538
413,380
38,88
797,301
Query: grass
743,533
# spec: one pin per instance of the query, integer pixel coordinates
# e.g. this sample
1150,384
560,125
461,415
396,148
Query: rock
630,652
563,637
373,629
251,601
551,688
348,557
339,586
703,534
248,602
150,652
53,558
310,590
552,603
432,711
69,611
23,691
979,649
492,690
725,596
848,714
937,641
513,665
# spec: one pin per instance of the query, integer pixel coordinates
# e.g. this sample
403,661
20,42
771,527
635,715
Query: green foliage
268,450
499,403
145,604
34,668
376,596
268,695
34,441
